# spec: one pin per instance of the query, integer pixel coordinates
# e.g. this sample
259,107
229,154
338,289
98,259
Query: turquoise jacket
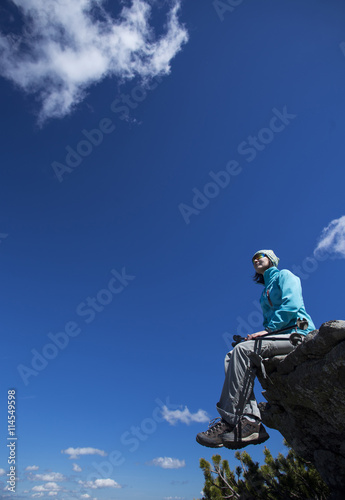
282,301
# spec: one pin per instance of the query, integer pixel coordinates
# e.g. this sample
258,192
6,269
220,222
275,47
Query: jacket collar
270,274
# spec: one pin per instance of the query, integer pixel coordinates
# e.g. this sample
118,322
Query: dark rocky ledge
305,393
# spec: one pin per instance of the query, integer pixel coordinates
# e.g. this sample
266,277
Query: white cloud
46,488
32,467
77,452
77,468
67,46
51,476
85,496
2,472
167,463
332,239
184,416
100,483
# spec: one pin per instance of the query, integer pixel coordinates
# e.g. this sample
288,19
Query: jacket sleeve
291,301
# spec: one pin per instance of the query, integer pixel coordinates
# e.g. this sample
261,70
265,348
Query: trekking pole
295,338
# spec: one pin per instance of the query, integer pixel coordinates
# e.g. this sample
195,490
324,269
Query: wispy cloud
75,453
76,468
100,483
2,472
65,47
332,239
31,467
167,463
50,476
184,416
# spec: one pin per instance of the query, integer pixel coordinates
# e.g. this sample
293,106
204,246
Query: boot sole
252,439
210,445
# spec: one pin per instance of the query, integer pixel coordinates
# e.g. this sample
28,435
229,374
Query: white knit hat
271,255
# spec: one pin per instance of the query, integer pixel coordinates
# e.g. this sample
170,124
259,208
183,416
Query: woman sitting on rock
282,304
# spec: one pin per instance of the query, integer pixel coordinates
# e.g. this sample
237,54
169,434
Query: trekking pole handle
302,324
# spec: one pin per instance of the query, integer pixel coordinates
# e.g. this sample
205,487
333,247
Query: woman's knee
242,347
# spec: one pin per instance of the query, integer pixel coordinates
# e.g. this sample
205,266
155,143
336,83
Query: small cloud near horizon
76,468
75,453
167,463
100,483
51,488
49,477
184,416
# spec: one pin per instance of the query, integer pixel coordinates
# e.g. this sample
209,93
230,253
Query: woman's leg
237,397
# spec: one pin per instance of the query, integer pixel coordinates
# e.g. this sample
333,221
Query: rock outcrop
305,393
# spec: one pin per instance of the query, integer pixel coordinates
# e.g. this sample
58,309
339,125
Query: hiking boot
211,437
243,434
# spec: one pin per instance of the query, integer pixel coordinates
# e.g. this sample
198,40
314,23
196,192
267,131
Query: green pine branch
283,478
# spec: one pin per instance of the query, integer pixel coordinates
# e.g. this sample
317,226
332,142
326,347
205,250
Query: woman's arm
257,334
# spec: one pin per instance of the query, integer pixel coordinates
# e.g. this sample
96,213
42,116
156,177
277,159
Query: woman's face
261,263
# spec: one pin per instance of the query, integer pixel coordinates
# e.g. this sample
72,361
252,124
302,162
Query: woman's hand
256,335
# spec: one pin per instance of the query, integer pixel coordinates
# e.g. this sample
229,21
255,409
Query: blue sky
148,149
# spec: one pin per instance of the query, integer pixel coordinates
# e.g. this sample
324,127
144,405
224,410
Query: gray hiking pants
241,363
